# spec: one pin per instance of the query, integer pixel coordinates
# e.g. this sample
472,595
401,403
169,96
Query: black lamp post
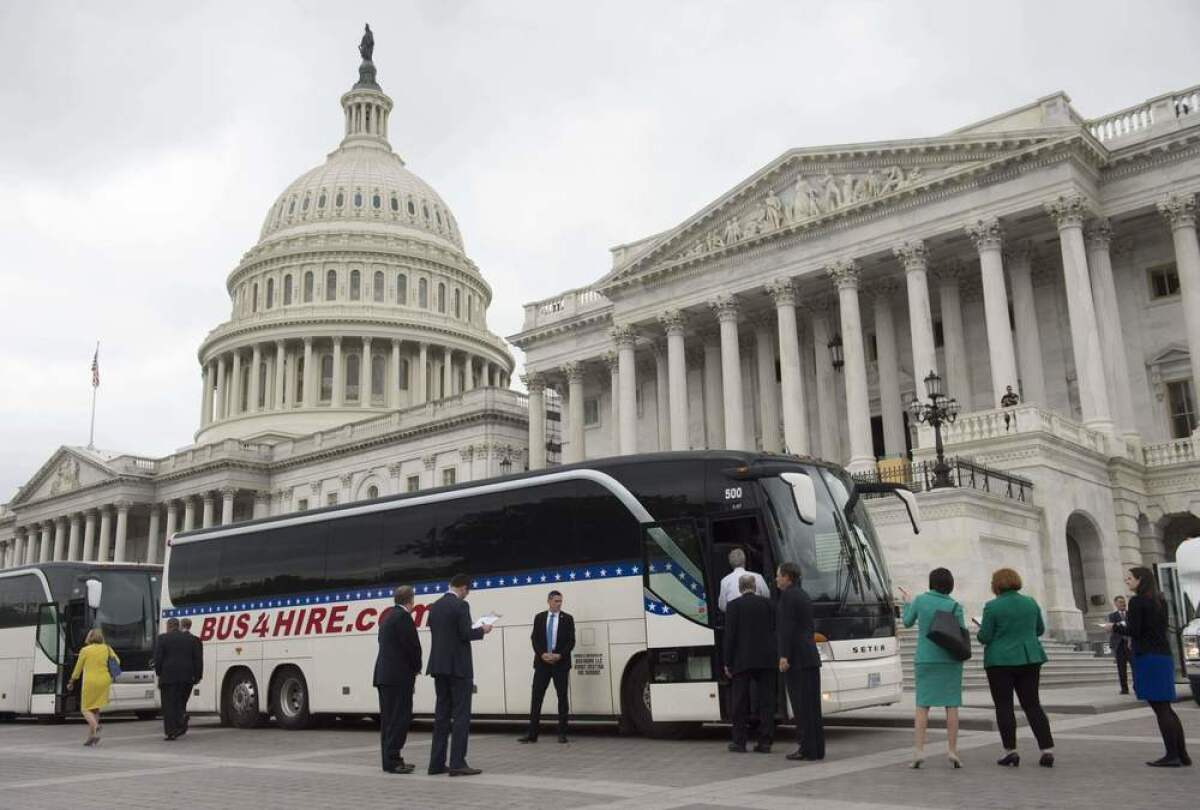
940,410
835,352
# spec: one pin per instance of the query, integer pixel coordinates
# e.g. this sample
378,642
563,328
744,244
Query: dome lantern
366,107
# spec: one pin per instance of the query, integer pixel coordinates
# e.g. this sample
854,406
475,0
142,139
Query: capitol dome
357,299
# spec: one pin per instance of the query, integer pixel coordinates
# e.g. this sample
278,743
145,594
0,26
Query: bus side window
20,597
353,552
407,551
604,527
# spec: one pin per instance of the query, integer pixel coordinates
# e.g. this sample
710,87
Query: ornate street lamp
835,352
940,410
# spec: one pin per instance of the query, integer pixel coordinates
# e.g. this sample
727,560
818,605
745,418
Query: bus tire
290,700
635,705
239,700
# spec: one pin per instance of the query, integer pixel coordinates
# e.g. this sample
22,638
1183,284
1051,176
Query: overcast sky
142,143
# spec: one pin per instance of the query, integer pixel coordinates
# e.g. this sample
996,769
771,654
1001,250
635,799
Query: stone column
858,407
309,388
914,257
725,307
268,382
172,522
768,389
206,519
262,504
18,556
221,382
791,377
339,375
73,547
714,403
1068,213
662,385
536,385
122,530
255,372
393,392
673,322
891,408
1019,260
468,375
227,495
624,338
89,536
31,544
958,375
988,237
235,386
422,373
614,396
828,418
46,547
281,368
1180,212
104,550
447,372
366,375
189,513
206,396
1098,237
576,450
153,538
60,539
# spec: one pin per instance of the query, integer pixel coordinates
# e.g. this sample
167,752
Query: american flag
96,367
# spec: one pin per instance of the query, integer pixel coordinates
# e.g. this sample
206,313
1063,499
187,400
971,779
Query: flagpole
92,429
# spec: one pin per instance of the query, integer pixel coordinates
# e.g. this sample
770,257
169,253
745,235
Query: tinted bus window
472,538
407,551
194,569
282,562
540,528
19,600
353,559
604,527
668,489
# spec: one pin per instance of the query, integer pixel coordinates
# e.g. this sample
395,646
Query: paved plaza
1099,765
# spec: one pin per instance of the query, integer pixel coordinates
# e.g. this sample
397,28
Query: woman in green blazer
938,673
1012,659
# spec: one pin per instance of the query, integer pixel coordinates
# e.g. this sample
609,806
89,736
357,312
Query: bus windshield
128,612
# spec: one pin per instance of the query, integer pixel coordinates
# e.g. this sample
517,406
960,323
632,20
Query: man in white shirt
729,584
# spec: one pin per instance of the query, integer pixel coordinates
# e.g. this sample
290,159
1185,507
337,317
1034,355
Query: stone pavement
1099,765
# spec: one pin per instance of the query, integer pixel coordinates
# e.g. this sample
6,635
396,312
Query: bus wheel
240,702
635,706
289,699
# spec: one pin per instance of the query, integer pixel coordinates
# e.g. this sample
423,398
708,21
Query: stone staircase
1066,665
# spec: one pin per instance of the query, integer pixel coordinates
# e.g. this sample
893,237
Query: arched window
378,287
326,377
292,206
262,386
270,293
401,289
412,209
308,287
339,200
353,364
244,403
425,208
403,374
287,289
307,200
395,203
299,397
358,199
372,491
457,303
321,200
423,294
438,215
377,201
355,285
441,298
470,308
331,285
254,299
378,375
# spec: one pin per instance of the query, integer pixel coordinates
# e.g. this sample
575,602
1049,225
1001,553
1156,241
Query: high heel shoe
1011,760
918,758
954,760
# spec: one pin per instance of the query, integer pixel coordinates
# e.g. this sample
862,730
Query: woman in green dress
938,673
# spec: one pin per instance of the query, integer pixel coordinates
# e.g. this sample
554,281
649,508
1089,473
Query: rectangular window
413,484
591,411
1182,408
331,499
302,505
449,476
1164,280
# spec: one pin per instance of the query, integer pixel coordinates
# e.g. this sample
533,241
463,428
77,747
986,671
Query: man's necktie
550,633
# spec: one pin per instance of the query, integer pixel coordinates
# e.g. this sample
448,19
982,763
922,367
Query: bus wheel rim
292,693
243,696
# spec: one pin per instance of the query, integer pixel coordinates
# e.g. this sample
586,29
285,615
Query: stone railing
224,450
138,465
569,303
999,423
1130,120
1176,451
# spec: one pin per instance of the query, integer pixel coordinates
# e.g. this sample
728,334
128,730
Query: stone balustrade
999,423
563,306
1176,451
1141,117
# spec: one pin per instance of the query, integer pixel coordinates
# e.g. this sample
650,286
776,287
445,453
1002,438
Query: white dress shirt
730,590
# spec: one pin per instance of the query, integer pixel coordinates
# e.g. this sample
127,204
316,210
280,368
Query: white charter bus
288,606
46,610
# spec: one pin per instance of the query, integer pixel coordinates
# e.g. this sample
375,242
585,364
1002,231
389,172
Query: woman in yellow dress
92,664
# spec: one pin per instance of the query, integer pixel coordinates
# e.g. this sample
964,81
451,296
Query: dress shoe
762,748
1165,762
796,755
1185,760
1123,692
1012,760
527,739
401,768
435,771
737,749
465,771
562,738
1047,760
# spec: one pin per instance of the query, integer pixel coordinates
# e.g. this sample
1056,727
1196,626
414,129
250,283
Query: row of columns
1096,338
293,376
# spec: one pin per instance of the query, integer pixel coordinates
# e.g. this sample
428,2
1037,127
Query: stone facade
801,310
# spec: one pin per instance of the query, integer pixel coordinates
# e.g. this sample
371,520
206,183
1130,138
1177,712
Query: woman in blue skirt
938,673
1153,666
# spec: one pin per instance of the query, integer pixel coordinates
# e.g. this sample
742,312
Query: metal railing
918,476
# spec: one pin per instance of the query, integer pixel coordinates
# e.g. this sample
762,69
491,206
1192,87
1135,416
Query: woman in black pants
1153,666
1012,659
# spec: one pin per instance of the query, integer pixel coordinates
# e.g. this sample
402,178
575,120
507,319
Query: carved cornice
1068,210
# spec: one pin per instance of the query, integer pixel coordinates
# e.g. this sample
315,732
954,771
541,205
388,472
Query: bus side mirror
804,495
909,500
95,588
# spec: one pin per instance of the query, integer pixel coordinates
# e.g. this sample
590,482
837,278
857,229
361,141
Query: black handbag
947,633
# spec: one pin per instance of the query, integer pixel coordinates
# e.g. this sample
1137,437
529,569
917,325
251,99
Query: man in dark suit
553,640
396,667
1120,643
453,674
176,665
185,627
800,662
750,657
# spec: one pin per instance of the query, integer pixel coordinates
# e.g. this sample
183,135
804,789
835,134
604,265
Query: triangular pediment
806,188
67,470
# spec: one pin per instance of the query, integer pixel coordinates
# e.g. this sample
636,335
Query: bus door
678,613
47,661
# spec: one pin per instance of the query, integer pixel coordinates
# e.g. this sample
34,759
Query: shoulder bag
947,633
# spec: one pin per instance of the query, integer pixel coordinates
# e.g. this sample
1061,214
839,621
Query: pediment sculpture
811,196
66,476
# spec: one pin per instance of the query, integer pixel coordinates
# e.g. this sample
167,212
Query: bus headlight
824,650
1191,648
